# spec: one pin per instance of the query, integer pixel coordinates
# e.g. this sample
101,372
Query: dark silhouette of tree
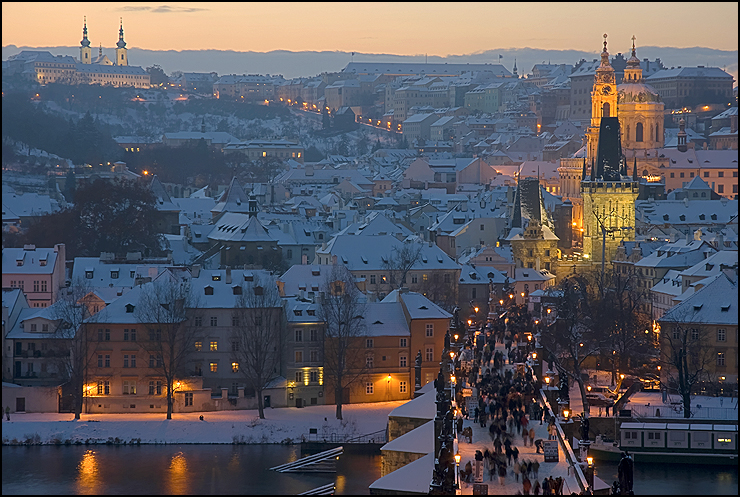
117,217
70,186
342,309
400,261
157,76
167,308
259,334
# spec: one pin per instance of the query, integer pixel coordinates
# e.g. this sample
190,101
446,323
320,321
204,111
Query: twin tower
86,51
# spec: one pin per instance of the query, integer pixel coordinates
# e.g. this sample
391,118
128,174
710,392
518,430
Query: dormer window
682,217
258,290
298,312
237,290
665,217
129,308
702,217
42,262
89,274
114,275
714,217
248,277
208,290
311,312
216,277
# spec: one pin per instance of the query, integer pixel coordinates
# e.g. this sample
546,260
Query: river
244,469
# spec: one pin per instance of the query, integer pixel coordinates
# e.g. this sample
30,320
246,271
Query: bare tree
621,315
73,341
400,261
440,289
572,338
258,335
164,308
685,353
342,309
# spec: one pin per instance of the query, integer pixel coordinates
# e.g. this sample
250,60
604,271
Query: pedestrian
501,474
475,413
515,454
459,425
509,453
497,446
525,434
536,468
537,487
539,444
526,485
468,471
7,412
517,470
531,436
545,487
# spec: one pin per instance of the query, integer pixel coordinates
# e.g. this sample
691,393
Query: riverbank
281,426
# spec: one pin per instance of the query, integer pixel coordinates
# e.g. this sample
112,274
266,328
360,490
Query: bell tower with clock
603,102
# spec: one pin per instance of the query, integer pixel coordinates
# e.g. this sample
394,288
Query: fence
379,437
676,411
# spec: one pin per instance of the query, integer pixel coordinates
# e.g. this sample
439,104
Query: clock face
606,90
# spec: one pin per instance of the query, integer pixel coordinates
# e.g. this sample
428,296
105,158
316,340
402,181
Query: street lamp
457,468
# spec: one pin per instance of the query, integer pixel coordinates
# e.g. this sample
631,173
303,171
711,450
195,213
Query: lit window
129,387
214,367
402,386
214,346
369,388
198,346
234,367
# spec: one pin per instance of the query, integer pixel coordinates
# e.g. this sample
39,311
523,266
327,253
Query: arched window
657,132
638,132
651,133
605,110
627,135
645,172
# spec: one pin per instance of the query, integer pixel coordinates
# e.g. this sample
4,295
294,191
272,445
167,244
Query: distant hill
306,64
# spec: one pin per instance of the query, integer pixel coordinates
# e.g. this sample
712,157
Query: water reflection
87,474
177,481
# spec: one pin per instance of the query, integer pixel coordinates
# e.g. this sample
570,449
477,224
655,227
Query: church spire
633,71
515,73
100,50
605,55
121,43
85,42
634,170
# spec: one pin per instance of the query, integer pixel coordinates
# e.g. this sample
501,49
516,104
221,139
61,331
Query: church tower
608,196
603,102
640,112
85,50
121,50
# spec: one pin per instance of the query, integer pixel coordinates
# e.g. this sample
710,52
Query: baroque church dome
633,89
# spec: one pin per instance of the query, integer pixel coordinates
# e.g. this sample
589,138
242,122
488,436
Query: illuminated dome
637,92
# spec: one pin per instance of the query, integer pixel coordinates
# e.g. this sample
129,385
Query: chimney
195,271
228,276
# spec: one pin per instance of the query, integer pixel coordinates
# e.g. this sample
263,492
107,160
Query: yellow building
603,101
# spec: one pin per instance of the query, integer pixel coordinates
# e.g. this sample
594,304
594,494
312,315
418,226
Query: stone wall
393,460
398,426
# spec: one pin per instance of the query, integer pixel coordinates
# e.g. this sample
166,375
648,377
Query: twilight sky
445,28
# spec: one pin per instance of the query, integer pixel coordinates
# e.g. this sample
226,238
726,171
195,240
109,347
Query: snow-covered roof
715,303
413,478
422,407
420,440
417,305
29,261
385,319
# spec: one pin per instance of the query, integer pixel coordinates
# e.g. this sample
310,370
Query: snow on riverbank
280,426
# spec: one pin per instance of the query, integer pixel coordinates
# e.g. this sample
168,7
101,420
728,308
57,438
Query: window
402,342
721,335
214,367
414,278
36,285
104,387
133,360
214,321
720,174
100,360
430,330
314,376
188,399
314,355
198,321
234,367
133,334
125,334
402,386
372,279
369,343
214,346
694,334
314,335
298,356
429,356
298,335
234,320
369,388
234,346
673,175
155,387
720,358
125,360
720,188
107,360
425,277
198,346
638,132
369,362
299,376
129,387
155,335
402,361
